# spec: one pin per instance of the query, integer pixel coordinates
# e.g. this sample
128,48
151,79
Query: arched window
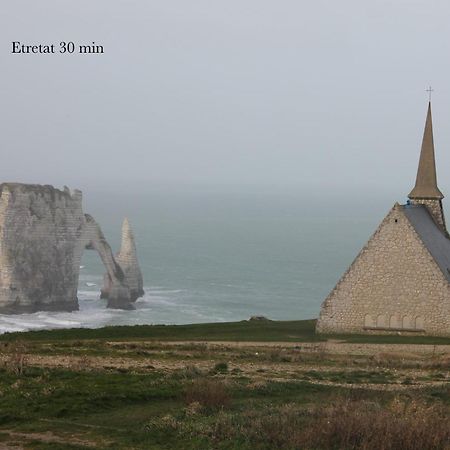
394,322
420,325
408,322
382,321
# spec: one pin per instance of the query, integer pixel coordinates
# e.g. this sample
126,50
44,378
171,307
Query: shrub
187,373
366,425
220,367
210,394
279,355
345,425
16,359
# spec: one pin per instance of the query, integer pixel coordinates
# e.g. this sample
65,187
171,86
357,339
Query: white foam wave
163,291
159,305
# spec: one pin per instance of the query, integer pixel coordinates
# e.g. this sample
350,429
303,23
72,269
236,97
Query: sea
212,255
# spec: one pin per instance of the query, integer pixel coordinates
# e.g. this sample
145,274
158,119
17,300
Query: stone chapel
400,280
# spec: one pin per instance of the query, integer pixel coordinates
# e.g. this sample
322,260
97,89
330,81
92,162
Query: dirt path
18,438
255,371
331,347
403,366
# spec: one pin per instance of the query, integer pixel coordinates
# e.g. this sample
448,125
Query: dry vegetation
145,394
208,394
345,424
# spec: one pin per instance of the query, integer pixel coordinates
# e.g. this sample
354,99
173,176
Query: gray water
215,256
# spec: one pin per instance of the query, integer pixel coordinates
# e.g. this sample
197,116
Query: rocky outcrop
128,262
40,232
119,294
43,233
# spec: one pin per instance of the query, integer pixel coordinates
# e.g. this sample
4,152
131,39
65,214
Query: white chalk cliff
128,262
43,233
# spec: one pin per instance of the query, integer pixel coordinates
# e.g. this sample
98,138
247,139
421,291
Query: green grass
292,331
116,407
264,331
63,393
145,406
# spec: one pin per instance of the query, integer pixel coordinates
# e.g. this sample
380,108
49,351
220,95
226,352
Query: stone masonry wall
393,284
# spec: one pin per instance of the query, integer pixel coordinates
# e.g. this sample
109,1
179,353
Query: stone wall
394,284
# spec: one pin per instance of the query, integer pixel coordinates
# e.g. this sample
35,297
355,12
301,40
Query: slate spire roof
426,181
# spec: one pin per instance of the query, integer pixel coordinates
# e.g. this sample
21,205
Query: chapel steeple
426,191
426,181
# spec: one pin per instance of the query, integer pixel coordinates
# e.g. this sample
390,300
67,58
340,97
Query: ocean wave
159,305
163,291
88,276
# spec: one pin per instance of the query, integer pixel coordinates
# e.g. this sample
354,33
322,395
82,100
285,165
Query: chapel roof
432,236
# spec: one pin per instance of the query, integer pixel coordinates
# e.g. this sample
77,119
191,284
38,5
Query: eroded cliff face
119,293
43,233
40,231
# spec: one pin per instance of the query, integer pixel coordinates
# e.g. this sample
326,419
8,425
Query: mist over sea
212,256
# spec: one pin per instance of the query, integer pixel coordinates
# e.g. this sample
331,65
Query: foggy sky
319,96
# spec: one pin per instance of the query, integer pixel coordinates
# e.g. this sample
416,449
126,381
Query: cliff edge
43,233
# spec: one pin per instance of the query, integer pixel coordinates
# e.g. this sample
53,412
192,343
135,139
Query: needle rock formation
128,262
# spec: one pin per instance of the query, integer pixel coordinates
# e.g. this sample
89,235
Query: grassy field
246,331
246,385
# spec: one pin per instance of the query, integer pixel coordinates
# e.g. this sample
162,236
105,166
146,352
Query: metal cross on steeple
429,90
